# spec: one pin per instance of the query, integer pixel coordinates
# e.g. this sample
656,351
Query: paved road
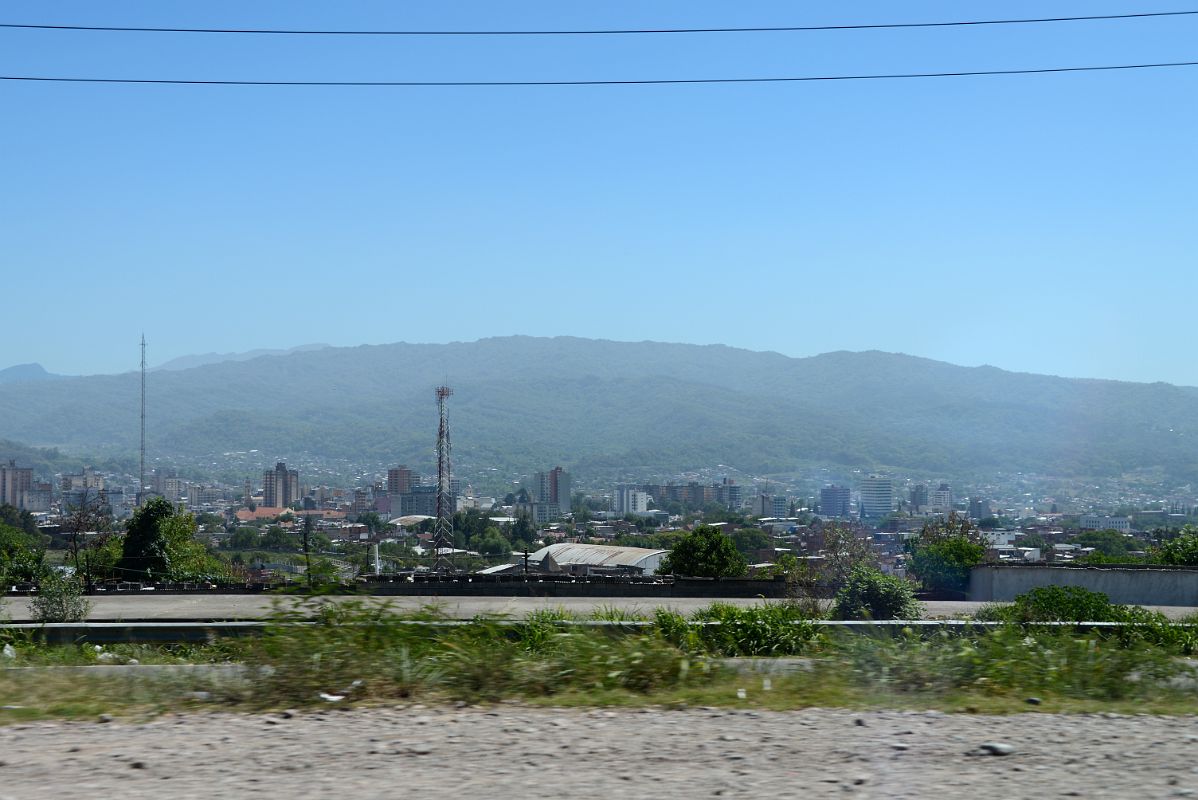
515,752
232,606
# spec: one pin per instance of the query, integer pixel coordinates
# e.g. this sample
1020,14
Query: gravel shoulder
514,751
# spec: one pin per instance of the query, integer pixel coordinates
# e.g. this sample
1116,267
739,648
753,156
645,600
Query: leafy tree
15,518
22,557
843,551
523,531
144,552
945,552
1034,540
704,553
870,594
1182,550
373,522
749,540
189,558
276,538
244,538
493,544
1109,543
944,565
951,527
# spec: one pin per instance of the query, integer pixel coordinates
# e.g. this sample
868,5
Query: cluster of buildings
876,497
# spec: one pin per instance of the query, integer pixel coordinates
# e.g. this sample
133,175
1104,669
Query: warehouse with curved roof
586,559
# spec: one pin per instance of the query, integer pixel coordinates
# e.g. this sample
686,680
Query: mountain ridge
522,402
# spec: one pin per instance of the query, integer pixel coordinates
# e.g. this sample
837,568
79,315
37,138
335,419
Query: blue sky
1036,223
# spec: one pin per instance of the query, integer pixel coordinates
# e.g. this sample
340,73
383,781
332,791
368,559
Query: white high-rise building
628,500
877,497
941,499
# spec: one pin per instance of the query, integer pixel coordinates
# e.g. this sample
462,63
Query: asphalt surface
147,606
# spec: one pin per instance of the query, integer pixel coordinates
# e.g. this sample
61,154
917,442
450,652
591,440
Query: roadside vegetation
324,654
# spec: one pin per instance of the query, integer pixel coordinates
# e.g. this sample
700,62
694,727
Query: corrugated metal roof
596,554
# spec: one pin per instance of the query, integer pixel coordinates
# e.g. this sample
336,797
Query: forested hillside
600,405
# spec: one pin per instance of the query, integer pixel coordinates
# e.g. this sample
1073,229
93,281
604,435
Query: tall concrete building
16,483
399,480
942,498
729,494
629,500
280,486
772,506
552,487
979,508
834,501
918,497
877,497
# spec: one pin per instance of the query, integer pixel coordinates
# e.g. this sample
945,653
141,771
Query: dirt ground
518,752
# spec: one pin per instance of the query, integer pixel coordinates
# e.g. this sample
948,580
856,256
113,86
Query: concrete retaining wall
1146,586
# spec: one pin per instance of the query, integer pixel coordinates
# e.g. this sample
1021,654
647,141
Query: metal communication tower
443,530
141,487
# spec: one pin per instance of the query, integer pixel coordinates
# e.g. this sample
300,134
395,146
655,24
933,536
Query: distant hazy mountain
22,373
523,403
188,362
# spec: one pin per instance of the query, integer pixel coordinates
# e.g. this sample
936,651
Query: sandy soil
510,751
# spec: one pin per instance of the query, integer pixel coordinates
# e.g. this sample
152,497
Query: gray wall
1156,586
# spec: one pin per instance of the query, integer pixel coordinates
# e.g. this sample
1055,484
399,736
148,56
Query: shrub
869,594
59,598
944,565
1011,660
776,629
1057,604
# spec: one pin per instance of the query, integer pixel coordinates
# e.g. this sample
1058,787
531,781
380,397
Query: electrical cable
642,82
604,32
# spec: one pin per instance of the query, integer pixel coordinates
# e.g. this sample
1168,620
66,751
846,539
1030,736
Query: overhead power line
604,32
643,82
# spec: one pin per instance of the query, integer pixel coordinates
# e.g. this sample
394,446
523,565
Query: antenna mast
142,474
443,530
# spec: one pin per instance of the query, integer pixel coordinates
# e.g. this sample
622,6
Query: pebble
997,748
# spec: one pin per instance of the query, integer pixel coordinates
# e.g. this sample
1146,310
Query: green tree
704,553
190,559
145,553
945,552
944,564
21,520
1109,543
1035,540
276,538
22,557
1181,550
749,540
492,543
523,531
244,539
